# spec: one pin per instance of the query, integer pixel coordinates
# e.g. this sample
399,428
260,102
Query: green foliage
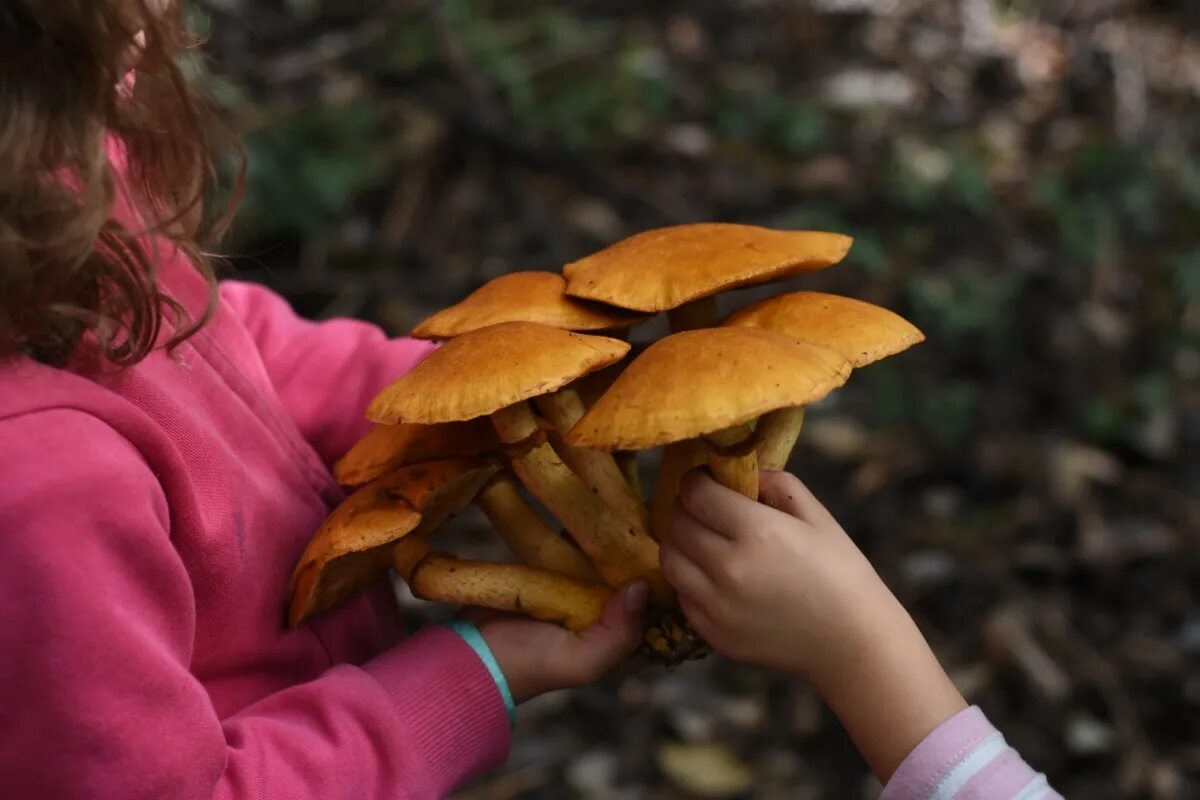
890,394
921,176
964,301
306,171
947,409
870,254
1185,274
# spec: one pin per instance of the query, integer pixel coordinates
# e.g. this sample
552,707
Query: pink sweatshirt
149,521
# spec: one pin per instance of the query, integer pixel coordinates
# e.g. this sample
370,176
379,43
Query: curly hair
67,268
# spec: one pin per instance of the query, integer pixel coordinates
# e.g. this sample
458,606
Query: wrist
891,692
471,635
522,663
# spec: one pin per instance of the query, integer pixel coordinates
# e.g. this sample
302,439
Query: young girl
779,584
165,443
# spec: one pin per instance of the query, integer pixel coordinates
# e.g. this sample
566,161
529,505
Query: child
165,443
780,584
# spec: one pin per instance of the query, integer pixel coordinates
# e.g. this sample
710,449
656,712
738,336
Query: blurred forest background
1023,181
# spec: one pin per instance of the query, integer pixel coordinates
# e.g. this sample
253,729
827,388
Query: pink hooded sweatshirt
149,522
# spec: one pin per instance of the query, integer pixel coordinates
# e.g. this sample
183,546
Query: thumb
618,633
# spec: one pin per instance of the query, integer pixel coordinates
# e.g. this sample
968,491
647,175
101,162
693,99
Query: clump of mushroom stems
599,470
527,535
620,548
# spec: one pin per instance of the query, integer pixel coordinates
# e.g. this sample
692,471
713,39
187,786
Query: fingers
684,574
787,493
601,647
701,544
720,508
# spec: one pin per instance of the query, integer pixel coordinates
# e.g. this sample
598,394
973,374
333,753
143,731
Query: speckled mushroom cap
523,297
387,447
352,549
699,382
492,368
665,268
860,331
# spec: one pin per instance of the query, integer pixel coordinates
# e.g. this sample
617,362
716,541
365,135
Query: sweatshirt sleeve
97,623
966,758
326,373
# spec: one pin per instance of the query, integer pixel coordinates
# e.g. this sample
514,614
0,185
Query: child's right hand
779,584
776,583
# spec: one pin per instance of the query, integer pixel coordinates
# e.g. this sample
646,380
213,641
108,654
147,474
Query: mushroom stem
538,593
407,554
621,549
515,423
733,460
527,535
599,470
677,459
778,432
691,316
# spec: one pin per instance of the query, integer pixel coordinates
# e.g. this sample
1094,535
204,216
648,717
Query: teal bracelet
471,635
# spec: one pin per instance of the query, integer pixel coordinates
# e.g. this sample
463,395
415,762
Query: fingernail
635,596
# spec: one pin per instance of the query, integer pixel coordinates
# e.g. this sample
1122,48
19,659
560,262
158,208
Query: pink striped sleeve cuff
966,758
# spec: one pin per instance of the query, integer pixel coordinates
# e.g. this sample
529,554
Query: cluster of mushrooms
518,409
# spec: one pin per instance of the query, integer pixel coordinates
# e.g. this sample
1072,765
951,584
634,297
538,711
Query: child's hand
538,657
779,584
776,583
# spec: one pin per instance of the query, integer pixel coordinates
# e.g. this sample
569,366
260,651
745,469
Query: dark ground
1023,182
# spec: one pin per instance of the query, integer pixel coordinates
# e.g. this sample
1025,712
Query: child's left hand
538,657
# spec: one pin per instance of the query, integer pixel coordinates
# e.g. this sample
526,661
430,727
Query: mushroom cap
862,332
387,447
699,382
491,368
523,297
662,269
353,548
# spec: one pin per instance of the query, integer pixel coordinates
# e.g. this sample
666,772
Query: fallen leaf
704,768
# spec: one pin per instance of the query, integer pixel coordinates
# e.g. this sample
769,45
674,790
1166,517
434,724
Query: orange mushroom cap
523,297
860,331
492,368
352,549
387,447
665,268
698,382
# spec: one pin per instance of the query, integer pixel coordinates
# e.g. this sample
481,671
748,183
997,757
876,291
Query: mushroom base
670,639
